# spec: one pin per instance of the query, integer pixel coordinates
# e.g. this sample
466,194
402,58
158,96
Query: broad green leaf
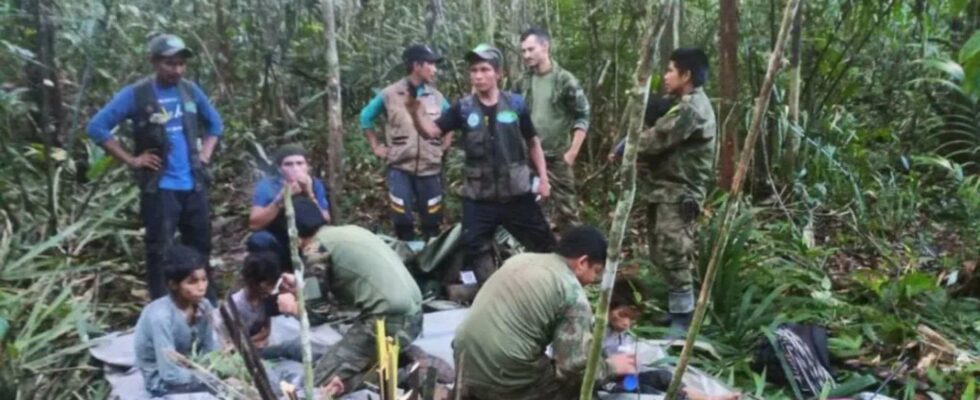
971,49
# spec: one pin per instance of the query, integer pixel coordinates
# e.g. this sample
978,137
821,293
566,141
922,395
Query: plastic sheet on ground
648,353
116,352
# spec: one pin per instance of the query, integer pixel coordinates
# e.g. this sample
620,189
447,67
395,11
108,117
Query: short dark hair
584,240
181,261
537,32
625,293
309,217
692,60
261,266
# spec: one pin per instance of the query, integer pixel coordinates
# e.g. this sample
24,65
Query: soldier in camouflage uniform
675,167
533,301
360,271
560,110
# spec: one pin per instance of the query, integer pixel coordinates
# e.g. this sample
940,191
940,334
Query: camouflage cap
485,52
167,45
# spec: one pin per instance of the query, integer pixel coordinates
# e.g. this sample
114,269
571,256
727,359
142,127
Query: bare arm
537,158
447,142
145,160
260,217
377,147
207,148
423,123
573,150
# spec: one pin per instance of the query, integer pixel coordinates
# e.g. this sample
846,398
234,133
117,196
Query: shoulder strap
145,97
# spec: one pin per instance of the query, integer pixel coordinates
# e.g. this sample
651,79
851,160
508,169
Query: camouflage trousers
547,386
353,357
673,251
562,208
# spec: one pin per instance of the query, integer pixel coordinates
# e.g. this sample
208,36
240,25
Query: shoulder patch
473,120
507,117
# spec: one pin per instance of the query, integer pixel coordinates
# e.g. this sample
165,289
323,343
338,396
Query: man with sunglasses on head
175,130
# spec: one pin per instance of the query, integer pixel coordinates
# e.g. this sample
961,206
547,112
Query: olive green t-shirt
558,106
551,123
361,270
532,301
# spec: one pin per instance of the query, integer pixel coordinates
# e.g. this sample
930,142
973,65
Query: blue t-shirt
268,188
177,175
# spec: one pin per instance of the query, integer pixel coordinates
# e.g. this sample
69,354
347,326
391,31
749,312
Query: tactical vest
150,136
496,165
407,150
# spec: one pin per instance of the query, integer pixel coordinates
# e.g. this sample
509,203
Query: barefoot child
178,322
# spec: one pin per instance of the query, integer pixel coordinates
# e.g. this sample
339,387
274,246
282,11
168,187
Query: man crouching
533,301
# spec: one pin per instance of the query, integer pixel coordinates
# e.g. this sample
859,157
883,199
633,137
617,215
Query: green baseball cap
166,45
485,52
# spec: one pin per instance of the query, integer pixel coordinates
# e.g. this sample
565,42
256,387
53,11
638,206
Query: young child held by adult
179,322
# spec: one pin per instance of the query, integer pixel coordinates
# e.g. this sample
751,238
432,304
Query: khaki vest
496,165
149,136
407,150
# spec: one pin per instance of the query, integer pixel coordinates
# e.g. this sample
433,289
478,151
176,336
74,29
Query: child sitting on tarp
624,310
177,323
265,294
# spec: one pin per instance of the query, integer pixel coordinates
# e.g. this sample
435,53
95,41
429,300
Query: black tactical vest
496,166
150,136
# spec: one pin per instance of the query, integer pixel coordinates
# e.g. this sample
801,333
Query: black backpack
796,355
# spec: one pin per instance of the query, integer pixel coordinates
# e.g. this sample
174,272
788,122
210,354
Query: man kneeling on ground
533,301
360,271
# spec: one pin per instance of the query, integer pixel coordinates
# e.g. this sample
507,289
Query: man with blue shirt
500,146
175,130
414,161
268,215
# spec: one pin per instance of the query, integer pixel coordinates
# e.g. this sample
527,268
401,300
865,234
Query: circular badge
473,120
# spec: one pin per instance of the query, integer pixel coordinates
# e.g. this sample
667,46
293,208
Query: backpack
796,355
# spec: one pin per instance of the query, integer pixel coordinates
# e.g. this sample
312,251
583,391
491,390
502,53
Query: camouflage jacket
676,156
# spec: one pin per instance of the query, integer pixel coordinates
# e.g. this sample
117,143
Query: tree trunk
335,124
433,18
635,107
489,21
46,85
728,80
792,144
517,25
731,205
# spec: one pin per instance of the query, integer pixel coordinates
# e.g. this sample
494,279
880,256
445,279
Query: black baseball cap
420,53
166,45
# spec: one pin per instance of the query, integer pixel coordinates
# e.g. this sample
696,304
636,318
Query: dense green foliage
873,232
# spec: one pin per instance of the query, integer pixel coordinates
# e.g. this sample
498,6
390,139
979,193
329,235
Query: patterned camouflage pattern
353,357
677,155
533,300
562,207
673,252
676,167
